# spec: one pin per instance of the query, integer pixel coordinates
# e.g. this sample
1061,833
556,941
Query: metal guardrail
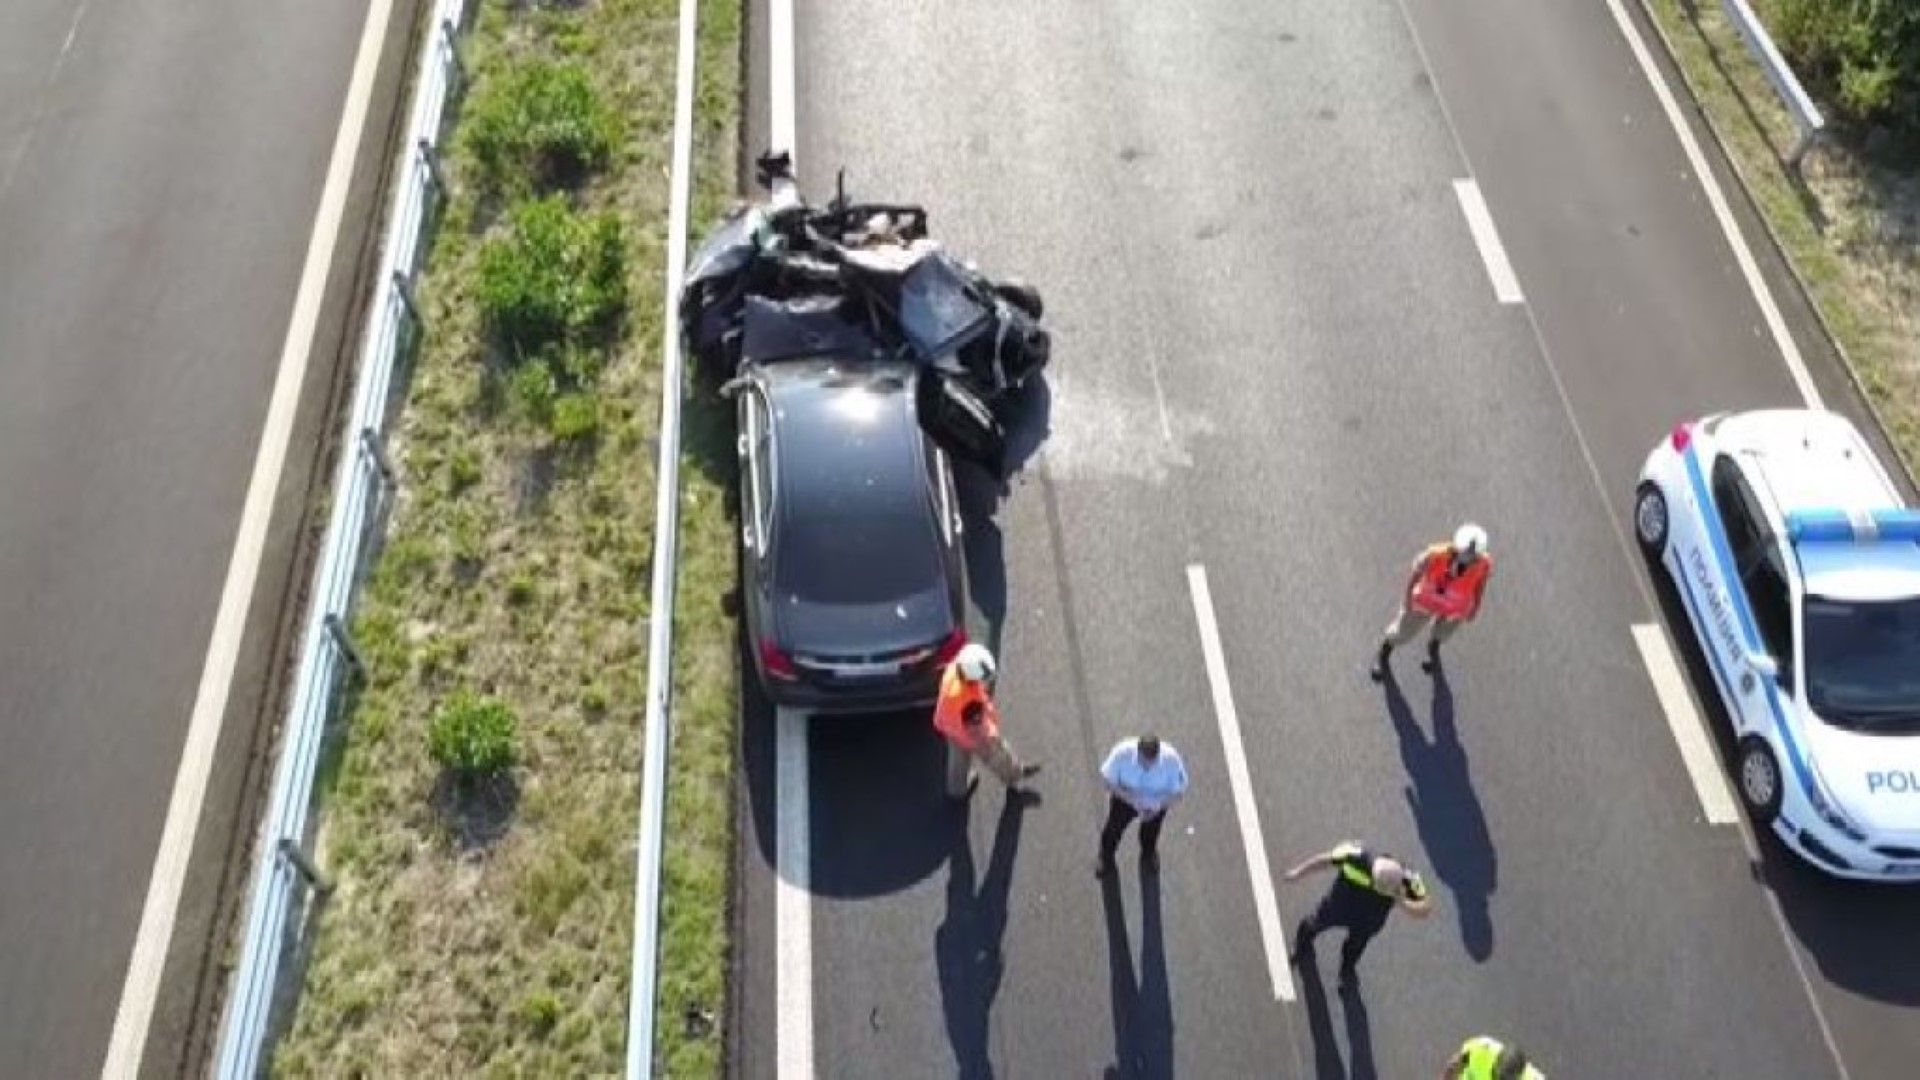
641,999
1806,115
362,485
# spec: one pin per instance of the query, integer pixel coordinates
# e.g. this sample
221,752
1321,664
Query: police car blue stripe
1723,565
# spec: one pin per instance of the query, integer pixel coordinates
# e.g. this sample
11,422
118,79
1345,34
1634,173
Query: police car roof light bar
1853,527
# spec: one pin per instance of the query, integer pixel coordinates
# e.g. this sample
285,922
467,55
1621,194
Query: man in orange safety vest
965,716
1445,589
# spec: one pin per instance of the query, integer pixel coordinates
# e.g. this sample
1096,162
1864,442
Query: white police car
1800,570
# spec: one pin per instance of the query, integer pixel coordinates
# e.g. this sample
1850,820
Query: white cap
975,662
1470,539
1388,875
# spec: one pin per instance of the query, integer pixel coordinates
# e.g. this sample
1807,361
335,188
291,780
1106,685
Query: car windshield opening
1863,663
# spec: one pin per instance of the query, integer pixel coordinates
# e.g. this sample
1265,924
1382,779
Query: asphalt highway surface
160,166
1281,357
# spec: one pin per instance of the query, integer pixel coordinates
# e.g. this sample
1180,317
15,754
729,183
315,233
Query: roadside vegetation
478,802
1849,218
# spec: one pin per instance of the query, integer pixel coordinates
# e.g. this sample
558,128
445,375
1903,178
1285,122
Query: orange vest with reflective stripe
1446,595
949,710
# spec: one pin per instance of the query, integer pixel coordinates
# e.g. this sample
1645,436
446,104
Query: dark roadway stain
1326,114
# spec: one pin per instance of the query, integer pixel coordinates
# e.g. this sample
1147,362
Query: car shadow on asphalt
1143,1005
877,792
1446,810
1027,418
1850,929
1328,1062
966,947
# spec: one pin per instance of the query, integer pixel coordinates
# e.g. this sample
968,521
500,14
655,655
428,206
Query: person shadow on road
1327,1061
1143,1010
1447,811
967,945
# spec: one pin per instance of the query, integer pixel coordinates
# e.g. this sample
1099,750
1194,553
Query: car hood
808,627
1875,779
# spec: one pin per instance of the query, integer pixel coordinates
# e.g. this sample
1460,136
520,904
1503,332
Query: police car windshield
1863,663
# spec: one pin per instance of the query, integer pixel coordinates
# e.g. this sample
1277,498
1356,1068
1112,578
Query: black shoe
1149,862
1432,661
1378,672
1029,770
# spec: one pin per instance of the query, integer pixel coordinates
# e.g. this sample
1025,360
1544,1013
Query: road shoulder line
1717,199
140,991
793,914
1266,907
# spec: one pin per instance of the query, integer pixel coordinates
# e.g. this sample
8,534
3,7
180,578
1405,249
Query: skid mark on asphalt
1100,432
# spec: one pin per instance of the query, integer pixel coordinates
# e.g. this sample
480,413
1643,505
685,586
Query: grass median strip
478,809
1849,222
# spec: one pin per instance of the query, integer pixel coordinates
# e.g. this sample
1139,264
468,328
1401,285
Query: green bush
554,276
473,737
1861,55
533,388
575,416
463,470
538,124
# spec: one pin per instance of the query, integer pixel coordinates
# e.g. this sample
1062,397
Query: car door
1750,603
756,501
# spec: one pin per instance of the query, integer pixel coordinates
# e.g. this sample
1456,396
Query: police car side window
1772,608
1735,508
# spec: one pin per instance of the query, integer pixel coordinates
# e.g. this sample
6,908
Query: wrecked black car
863,282
860,358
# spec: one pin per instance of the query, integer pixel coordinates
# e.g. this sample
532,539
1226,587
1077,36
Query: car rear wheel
1759,775
1650,519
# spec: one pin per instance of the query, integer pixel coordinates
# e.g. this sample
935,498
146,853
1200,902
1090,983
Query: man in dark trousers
1366,888
1144,777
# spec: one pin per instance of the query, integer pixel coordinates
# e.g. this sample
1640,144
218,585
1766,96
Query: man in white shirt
1144,776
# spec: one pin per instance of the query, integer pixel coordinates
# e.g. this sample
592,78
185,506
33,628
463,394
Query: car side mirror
1764,666
731,388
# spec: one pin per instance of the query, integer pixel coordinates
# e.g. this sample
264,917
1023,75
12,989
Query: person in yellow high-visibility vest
1485,1058
1444,590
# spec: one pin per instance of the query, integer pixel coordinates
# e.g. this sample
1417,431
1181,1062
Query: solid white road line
1487,238
1776,323
782,126
1716,798
142,987
793,915
1265,907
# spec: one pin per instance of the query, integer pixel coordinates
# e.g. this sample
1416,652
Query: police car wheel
1759,775
1650,519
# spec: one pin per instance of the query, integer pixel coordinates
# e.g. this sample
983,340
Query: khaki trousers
1407,625
992,752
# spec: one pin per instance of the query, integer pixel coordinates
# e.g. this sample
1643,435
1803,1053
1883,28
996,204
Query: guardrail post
1808,136
405,288
337,633
431,159
316,881
370,444
448,39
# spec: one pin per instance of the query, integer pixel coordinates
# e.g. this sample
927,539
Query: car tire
1757,775
1651,520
